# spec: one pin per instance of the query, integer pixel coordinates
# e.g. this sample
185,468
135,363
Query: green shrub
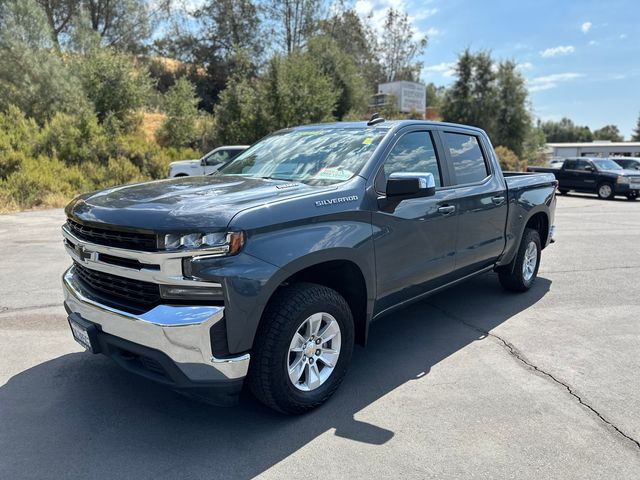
509,161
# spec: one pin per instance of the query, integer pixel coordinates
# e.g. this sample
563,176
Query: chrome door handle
447,209
497,200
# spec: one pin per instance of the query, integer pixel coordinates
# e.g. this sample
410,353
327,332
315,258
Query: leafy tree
296,91
181,107
343,72
293,21
115,85
512,120
565,131
228,25
636,132
354,37
240,116
534,146
32,76
473,97
60,15
398,48
509,161
435,96
608,132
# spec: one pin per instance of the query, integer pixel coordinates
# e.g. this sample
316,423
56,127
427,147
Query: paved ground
471,383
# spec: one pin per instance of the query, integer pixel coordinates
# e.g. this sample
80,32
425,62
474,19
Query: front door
581,175
414,239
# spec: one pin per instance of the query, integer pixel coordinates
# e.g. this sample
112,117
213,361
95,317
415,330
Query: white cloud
593,42
445,69
622,36
525,66
556,51
376,12
586,26
548,82
433,32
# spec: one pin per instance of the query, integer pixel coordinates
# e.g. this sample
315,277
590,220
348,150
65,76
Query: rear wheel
563,191
302,348
605,191
520,274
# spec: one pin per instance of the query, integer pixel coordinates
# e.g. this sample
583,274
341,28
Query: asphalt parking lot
470,383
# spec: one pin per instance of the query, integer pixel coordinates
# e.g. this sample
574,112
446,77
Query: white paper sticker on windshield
334,173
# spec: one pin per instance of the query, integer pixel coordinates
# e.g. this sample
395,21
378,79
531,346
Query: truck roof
386,124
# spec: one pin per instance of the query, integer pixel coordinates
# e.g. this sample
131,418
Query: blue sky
581,59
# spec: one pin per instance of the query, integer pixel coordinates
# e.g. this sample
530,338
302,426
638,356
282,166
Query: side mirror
589,168
409,185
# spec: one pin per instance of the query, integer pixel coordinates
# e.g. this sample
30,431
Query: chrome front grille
114,238
134,295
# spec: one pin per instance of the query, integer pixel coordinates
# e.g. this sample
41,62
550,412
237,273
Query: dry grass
151,122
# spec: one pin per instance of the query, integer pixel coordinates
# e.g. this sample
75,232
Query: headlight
623,180
211,244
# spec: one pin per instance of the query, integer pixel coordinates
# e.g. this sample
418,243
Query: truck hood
181,204
185,163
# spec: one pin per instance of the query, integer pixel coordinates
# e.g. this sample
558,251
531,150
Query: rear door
480,194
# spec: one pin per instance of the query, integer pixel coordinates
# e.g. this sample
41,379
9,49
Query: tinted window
570,164
581,165
414,153
466,157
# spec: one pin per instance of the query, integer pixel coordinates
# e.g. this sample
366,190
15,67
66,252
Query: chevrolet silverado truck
267,273
601,176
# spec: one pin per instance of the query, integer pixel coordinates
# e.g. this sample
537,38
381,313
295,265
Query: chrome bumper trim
163,267
552,234
181,332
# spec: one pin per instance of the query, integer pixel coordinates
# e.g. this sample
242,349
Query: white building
594,149
409,96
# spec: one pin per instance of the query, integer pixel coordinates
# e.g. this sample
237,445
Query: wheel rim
605,191
530,261
314,351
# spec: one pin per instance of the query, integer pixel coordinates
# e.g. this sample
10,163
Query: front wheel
302,348
605,191
520,274
632,196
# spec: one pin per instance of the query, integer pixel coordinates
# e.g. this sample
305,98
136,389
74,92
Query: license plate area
85,333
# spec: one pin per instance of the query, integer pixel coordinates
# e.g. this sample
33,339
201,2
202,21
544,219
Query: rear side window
413,153
468,163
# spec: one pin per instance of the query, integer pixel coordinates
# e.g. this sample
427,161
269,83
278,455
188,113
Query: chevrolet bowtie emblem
82,252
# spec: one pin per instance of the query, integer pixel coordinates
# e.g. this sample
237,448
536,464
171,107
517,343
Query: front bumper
179,333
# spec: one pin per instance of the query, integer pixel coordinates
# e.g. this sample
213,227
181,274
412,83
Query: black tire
268,378
563,191
512,276
605,193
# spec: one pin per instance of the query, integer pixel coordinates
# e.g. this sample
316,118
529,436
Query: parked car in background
628,163
211,162
556,163
602,176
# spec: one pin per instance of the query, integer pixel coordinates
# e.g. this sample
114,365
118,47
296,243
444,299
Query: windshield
606,165
315,157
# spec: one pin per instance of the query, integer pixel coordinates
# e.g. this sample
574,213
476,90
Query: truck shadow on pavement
80,416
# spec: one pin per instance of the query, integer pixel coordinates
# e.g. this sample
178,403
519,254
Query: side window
217,158
413,153
581,165
570,164
466,156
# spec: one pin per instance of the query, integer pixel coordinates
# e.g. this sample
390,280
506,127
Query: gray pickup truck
267,273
